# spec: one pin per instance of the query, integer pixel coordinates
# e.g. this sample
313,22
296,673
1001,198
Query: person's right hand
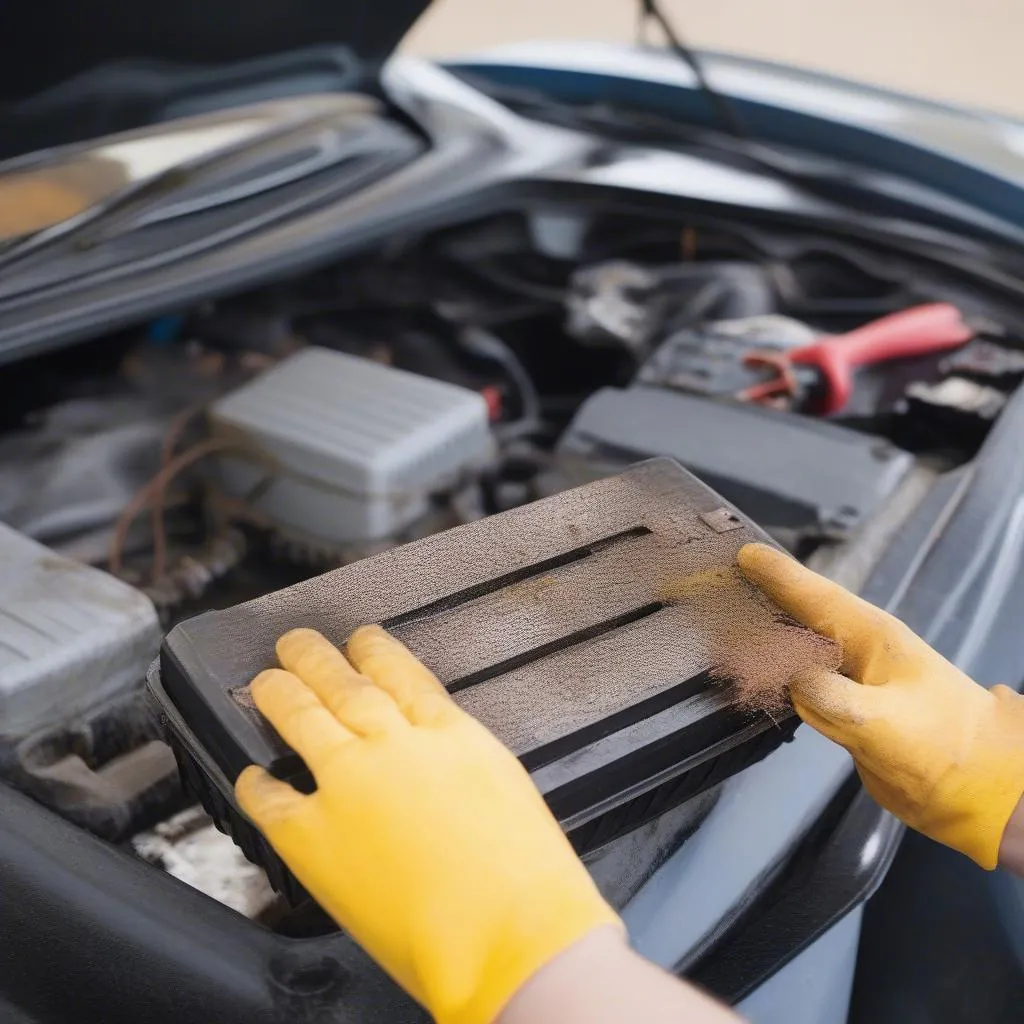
939,751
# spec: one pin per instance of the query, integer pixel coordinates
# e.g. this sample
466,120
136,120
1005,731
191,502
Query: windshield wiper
724,107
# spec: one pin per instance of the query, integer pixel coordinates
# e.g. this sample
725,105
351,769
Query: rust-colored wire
158,502
177,429
157,486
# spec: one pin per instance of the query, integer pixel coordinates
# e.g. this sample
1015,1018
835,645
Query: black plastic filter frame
573,588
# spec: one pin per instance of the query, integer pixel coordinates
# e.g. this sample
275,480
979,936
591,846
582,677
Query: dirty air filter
585,630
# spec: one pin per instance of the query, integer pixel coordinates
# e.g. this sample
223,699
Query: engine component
612,303
192,574
988,362
72,466
70,476
959,395
190,847
339,449
565,626
713,359
831,361
70,636
708,358
956,407
783,470
623,303
106,770
963,405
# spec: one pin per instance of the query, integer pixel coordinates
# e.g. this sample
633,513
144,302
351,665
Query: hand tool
832,360
707,357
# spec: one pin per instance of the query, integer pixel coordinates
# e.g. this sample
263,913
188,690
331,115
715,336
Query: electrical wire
179,425
157,485
650,10
482,343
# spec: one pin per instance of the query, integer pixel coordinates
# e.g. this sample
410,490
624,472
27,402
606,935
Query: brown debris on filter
751,644
242,696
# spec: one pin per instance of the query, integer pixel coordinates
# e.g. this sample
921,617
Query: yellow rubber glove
425,839
933,747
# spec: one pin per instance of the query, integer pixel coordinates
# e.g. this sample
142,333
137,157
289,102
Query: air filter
590,631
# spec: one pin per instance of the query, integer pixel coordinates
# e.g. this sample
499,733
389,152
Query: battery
564,626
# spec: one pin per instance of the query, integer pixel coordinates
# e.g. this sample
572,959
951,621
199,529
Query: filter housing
560,625
336,448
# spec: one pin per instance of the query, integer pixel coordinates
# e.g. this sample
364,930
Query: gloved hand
425,838
936,749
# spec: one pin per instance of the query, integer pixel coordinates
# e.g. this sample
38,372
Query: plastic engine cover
70,636
554,624
336,448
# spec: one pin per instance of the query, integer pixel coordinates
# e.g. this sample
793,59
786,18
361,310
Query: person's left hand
425,838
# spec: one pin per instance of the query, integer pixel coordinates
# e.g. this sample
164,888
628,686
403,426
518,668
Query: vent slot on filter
462,597
561,626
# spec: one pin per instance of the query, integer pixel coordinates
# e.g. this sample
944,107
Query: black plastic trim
955,572
97,936
837,867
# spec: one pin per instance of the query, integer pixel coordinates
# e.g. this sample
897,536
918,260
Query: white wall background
967,51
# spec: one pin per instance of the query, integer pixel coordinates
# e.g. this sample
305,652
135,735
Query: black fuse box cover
554,624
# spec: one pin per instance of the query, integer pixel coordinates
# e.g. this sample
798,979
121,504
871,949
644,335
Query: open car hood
85,69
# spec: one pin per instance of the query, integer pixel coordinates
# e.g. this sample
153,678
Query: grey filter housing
337,449
559,625
70,636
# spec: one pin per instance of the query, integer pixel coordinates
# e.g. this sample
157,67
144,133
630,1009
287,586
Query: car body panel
815,988
952,571
972,156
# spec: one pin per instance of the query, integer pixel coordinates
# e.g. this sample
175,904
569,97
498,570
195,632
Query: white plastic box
70,636
339,448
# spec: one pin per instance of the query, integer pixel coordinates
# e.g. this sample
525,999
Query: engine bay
225,451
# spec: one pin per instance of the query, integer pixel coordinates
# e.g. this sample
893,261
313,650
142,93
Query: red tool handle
913,332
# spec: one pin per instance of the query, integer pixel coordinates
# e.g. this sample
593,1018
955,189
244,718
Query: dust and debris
751,643
539,671
242,696
189,847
